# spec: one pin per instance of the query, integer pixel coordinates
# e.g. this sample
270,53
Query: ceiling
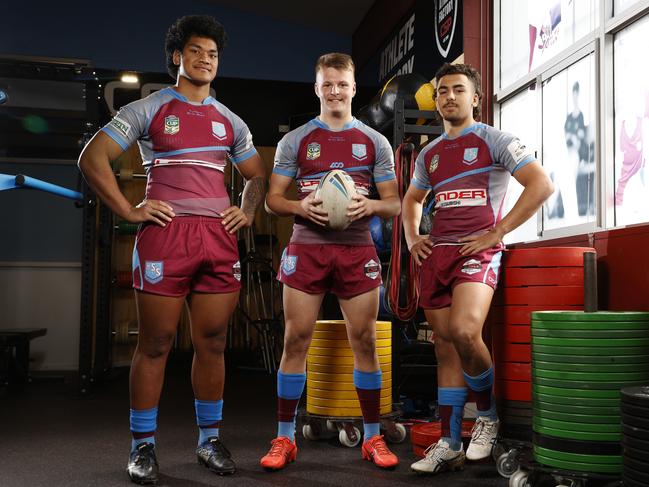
339,16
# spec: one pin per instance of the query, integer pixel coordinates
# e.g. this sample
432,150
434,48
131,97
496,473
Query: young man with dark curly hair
186,245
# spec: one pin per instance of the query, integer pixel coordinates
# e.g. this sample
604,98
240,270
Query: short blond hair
336,60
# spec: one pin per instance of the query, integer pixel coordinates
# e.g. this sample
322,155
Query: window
522,106
569,144
631,98
535,31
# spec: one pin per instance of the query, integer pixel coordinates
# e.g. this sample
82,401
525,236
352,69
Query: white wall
48,295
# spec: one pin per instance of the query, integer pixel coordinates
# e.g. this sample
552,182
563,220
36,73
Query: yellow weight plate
322,343
334,360
333,325
325,394
339,377
341,403
344,352
343,412
340,386
342,369
342,335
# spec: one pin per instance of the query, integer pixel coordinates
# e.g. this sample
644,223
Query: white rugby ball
336,189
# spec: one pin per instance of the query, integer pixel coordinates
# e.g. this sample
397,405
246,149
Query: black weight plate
577,446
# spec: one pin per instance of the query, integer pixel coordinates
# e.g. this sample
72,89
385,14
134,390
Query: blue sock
453,398
143,425
208,418
289,392
368,388
482,385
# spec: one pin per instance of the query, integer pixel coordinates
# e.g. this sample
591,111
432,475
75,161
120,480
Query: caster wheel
331,426
518,479
308,433
398,435
506,466
497,450
346,441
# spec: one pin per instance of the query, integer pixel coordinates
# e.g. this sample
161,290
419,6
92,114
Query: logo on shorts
359,151
471,266
172,125
312,151
470,155
372,269
218,130
289,264
153,271
236,270
434,162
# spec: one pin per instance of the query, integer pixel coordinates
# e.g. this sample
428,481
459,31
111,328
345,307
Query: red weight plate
507,352
544,295
545,257
418,451
511,334
513,390
542,276
425,434
513,371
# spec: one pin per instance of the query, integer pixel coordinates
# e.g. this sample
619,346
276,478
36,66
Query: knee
156,346
363,341
296,343
444,348
212,343
465,340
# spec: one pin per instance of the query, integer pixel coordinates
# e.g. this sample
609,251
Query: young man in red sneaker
319,260
468,169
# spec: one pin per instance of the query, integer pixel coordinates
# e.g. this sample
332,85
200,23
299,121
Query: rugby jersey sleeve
130,123
384,163
511,153
420,177
286,156
242,147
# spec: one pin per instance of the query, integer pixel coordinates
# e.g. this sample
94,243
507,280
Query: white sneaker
439,458
483,437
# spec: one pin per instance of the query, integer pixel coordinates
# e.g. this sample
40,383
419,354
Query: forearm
281,206
387,207
526,206
411,217
254,193
100,177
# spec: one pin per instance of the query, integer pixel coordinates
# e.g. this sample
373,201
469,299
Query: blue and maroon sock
143,425
289,392
451,402
368,388
208,418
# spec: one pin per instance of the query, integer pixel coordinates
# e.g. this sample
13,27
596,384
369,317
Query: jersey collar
353,123
178,96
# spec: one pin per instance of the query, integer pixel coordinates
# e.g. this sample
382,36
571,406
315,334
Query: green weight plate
576,418
590,334
591,342
590,325
596,316
548,404
590,368
593,377
592,386
613,394
585,350
575,435
581,427
578,457
580,467
643,360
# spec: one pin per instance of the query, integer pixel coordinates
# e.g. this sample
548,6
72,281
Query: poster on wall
429,36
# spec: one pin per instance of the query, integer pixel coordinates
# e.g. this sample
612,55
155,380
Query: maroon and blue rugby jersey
310,151
468,176
185,148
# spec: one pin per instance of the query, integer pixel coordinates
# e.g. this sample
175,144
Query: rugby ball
336,189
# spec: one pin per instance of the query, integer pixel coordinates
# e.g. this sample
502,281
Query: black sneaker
215,456
142,465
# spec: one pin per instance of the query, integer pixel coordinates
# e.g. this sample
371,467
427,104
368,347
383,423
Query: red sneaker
375,450
282,451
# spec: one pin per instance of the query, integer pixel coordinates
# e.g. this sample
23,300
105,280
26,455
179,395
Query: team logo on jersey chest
312,151
434,162
372,269
470,155
218,130
154,271
359,151
172,125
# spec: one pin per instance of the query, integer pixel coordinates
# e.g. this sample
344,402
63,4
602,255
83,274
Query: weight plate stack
634,410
